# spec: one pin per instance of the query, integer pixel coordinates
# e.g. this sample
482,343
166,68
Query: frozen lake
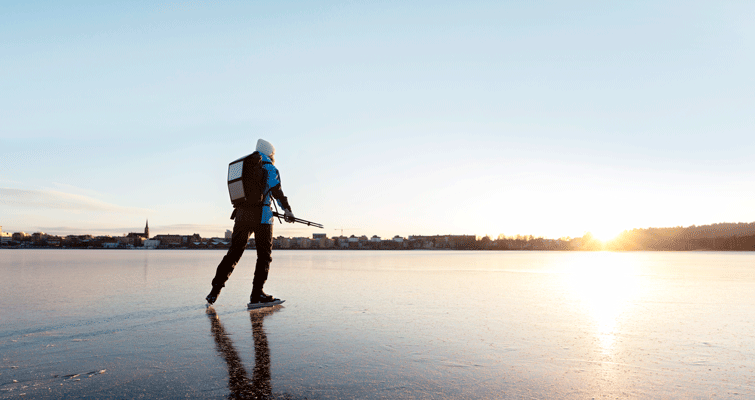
379,325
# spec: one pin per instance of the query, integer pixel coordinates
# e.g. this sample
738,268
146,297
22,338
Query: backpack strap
264,195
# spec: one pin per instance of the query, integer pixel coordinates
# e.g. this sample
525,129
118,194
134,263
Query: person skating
252,214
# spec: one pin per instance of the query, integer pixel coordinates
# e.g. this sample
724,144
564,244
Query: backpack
246,181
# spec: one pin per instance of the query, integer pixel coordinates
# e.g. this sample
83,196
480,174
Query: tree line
723,236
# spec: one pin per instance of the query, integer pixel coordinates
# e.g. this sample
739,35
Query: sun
605,234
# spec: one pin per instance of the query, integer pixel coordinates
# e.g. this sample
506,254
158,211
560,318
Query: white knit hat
265,147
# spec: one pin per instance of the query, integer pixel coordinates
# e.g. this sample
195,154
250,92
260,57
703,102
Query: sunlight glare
605,234
605,283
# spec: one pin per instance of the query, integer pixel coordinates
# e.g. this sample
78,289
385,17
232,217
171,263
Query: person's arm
282,200
277,193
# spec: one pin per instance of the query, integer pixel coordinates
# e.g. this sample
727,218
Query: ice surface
377,325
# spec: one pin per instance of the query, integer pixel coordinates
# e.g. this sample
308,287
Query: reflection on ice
241,387
605,284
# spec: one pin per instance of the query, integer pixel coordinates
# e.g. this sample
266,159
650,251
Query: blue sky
403,117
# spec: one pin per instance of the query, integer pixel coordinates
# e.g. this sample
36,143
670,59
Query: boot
214,293
258,296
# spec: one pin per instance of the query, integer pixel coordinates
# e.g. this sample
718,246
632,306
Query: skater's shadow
258,387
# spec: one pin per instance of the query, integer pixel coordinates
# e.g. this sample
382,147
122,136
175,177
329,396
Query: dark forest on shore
719,237
723,236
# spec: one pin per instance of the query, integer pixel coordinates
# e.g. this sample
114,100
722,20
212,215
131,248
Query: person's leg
263,239
242,229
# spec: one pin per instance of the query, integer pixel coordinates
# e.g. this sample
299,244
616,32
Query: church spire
146,229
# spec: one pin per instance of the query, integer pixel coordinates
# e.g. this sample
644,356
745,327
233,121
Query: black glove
288,216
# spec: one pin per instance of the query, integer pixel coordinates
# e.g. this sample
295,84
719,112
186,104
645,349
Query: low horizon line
110,232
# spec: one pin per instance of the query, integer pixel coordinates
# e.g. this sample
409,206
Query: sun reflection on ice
605,283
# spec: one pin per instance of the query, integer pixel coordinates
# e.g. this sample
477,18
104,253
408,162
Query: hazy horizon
158,231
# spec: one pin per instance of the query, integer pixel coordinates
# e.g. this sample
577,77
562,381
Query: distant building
216,242
301,243
282,242
321,241
20,236
443,241
5,237
228,234
136,238
192,238
129,240
342,241
325,243
168,240
353,242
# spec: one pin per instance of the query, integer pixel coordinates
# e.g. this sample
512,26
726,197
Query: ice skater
253,183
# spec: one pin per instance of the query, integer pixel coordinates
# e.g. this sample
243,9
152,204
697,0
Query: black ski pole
299,220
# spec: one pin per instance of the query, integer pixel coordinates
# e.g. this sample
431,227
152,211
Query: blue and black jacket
272,190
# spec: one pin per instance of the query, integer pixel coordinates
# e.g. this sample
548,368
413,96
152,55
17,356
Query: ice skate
213,296
260,299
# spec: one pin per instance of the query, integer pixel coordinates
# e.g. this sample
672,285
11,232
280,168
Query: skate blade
253,306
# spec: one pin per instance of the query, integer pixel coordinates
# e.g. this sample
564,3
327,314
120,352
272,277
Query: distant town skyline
692,232
389,118
716,237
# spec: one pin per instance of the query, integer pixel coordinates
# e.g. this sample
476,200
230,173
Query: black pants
247,222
